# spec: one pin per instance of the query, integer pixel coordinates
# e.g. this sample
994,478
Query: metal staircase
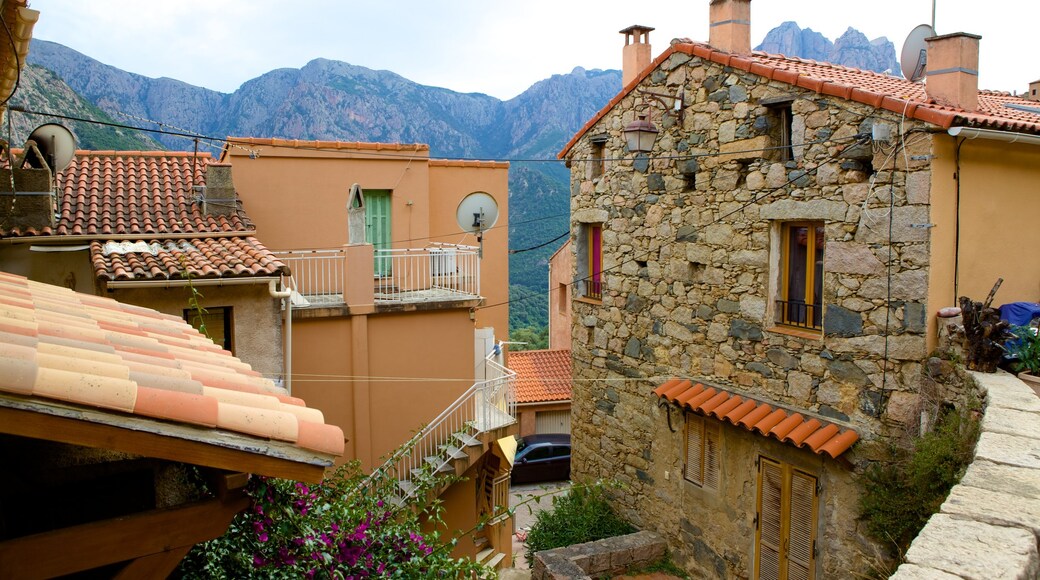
453,436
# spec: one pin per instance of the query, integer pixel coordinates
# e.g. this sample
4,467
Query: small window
801,284
702,451
561,299
785,523
590,261
781,127
215,323
598,161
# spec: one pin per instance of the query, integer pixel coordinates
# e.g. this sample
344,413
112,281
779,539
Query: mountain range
332,100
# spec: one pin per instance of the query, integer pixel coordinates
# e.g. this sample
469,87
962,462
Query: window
801,283
781,126
702,451
214,323
590,261
785,522
598,164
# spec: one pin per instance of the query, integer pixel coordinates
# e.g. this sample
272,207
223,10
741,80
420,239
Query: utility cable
542,245
17,62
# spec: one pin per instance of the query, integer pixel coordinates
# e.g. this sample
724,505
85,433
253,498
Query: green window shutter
378,227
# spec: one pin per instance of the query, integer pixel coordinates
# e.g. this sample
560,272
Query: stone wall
691,269
607,557
989,525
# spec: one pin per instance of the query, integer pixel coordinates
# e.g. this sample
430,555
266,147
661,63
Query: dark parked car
542,458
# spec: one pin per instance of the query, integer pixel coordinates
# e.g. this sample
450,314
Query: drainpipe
285,295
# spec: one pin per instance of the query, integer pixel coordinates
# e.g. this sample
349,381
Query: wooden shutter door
802,533
694,448
770,500
712,454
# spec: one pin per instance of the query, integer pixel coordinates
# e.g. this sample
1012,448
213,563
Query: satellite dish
477,212
913,59
57,145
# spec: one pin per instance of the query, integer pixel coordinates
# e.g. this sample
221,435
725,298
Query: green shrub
581,515
902,494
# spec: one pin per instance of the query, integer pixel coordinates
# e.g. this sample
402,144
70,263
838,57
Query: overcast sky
484,46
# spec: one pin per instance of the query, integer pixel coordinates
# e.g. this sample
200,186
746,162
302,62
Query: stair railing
485,406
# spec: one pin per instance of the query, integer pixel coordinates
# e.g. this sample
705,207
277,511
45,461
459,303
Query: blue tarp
1019,313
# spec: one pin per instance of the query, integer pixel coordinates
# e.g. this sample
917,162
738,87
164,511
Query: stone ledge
989,525
609,556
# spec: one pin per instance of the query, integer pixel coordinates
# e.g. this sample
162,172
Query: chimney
26,193
635,57
1034,91
730,28
952,77
218,195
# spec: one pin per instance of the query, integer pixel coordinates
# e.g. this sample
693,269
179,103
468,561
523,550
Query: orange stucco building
396,308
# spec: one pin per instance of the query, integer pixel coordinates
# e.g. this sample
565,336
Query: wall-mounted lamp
640,135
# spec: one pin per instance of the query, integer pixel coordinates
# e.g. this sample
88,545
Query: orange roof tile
167,259
57,345
119,193
542,375
875,89
821,437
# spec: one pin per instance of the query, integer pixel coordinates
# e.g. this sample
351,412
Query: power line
542,245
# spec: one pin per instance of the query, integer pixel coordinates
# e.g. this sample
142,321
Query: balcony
439,273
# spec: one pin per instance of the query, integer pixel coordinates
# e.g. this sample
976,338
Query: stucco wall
691,261
527,414
996,203
561,267
381,377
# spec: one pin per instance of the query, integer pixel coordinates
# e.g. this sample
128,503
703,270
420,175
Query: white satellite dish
477,212
57,145
913,59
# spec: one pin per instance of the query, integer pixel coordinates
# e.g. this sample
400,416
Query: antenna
913,60
477,212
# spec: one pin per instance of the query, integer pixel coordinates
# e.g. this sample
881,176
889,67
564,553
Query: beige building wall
528,412
996,203
561,275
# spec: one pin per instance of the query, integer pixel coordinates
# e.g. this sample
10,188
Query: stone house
755,286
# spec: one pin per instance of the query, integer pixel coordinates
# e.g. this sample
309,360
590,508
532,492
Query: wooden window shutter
694,448
802,535
712,454
770,500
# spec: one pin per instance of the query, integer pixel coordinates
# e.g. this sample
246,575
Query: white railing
485,406
439,272
318,274
433,273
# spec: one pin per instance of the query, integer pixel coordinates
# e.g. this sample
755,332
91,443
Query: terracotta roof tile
167,259
875,89
59,345
107,193
542,375
823,438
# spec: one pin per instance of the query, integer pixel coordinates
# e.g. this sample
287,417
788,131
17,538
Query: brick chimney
635,57
1034,91
730,28
218,196
952,77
